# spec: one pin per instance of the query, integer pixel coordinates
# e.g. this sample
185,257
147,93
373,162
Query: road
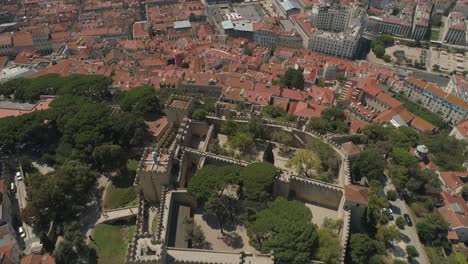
21,196
410,236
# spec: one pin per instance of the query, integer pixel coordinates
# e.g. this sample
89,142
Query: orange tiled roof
357,194
463,128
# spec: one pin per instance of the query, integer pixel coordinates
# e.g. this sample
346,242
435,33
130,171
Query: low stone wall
310,191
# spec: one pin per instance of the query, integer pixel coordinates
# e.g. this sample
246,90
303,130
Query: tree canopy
369,164
431,228
210,179
293,78
59,194
285,227
268,155
94,87
329,246
305,162
141,100
363,248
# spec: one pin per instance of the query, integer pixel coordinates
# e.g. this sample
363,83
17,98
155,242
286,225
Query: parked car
408,219
390,217
21,232
18,176
387,210
12,188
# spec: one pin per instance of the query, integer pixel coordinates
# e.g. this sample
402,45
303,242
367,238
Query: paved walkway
410,235
112,215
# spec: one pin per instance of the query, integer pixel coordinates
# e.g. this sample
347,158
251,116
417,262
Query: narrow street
21,196
410,235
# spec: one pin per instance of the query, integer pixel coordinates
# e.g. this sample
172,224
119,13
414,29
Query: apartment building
397,26
461,6
332,18
342,45
455,29
458,87
452,109
6,45
422,14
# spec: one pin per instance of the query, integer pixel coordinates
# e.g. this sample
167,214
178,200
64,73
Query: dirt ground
234,240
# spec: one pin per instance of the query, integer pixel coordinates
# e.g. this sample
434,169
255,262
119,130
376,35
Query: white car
18,176
21,232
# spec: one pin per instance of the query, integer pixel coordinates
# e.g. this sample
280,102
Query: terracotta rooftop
453,179
455,210
463,128
422,125
38,259
357,194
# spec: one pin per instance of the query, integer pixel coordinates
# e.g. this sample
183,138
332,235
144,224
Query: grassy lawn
111,242
435,255
434,35
120,192
421,112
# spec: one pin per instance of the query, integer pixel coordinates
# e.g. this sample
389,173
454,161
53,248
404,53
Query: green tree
293,78
333,114
94,87
241,141
330,160
194,233
268,155
374,215
60,194
399,176
273,111
388,234
72,248
305,162
109,157
199,114
317,124
229,127
285,221
329,246
247,50
431,227
400,222
363,248
215,207
141,100
258,180
387,58
369,164
464,192
412,252
205,183
282,137
403,157
379,50
392,195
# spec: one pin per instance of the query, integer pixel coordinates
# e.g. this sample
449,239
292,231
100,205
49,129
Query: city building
332,18
458,87
344,44
450,108
422,15
455,29
455,212
460,131
461,6
397,26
